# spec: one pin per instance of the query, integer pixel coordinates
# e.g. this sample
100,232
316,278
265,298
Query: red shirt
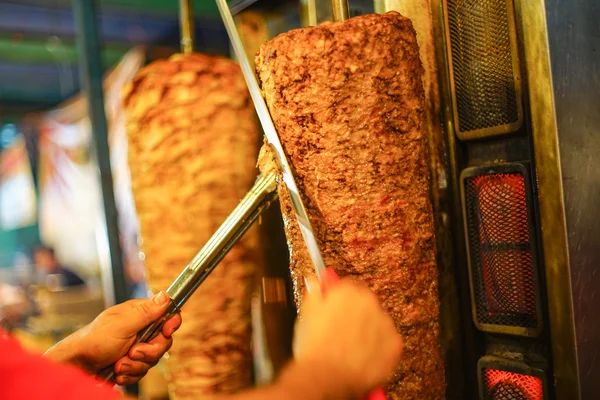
25,376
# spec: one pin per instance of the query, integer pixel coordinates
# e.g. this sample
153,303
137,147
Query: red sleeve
25,376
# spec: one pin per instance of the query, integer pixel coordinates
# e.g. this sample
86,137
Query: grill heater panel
502,379
498,218
484,67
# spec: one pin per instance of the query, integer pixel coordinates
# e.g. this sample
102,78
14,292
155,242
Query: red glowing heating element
500,217
504,385
502,208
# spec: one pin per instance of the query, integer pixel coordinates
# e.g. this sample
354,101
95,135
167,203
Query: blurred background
55,259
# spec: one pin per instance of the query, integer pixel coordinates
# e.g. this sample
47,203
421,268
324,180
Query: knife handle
330,277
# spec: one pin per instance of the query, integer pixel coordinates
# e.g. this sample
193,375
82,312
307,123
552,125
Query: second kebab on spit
191,131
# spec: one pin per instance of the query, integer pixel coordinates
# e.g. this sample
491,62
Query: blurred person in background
47,266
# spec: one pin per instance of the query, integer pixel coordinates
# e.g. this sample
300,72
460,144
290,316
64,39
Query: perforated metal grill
504,385
486,91
501,255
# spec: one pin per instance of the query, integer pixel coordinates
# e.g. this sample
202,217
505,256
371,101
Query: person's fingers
129,367
139,313
151,352
329,278
396,345
313,295
397,348
123,380
171,325
313,288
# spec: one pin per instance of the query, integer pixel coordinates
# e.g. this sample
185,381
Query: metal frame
495,130
552,219
491,170
509,366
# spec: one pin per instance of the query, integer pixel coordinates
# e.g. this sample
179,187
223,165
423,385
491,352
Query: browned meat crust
348,103
193,140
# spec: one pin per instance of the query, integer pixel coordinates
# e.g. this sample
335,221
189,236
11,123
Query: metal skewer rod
340,10
186,22
256,201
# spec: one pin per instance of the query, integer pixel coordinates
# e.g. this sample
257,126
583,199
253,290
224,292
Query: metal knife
273,139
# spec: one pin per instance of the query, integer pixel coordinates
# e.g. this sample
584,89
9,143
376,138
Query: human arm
29,376
107,340
298,381
345,346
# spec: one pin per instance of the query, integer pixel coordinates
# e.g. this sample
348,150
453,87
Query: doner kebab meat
193,141
348,103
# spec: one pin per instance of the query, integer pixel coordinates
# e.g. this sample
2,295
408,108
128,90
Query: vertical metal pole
340,10
91,78
310,9
186,22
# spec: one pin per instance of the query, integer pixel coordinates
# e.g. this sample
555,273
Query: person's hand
107,340
346,335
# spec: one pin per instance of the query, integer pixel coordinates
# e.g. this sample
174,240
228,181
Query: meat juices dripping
193,141
348,104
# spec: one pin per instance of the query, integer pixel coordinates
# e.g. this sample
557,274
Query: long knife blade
240,5
273,139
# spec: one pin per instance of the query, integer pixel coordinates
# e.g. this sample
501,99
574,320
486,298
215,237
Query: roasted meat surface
348,103
193,141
